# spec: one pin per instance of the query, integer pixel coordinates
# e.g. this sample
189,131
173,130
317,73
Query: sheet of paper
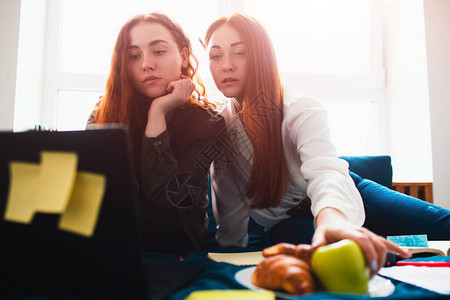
435,279
84,206
56,180
231,295
22,188
240,259
444,246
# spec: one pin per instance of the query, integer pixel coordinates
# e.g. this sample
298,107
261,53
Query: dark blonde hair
121,102
262,110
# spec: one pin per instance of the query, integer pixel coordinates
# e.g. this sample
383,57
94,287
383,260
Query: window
332,51
321,37
80,37
329,49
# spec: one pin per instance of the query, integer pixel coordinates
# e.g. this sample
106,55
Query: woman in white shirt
279,152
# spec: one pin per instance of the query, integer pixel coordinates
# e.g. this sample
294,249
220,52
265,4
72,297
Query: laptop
40,259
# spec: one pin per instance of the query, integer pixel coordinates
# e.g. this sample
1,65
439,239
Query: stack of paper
436,279
239,258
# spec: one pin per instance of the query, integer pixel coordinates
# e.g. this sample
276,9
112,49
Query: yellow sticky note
56,180
22,188
231,295
84,206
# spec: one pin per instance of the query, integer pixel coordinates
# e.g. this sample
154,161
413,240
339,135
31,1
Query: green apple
341,267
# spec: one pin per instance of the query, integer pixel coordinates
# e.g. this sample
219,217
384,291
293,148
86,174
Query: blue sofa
375,168
373,178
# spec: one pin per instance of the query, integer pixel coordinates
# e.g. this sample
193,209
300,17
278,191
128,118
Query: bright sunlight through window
323,46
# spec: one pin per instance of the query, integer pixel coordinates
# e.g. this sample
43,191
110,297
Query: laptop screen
38,258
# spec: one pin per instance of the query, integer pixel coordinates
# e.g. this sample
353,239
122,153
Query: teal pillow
377,168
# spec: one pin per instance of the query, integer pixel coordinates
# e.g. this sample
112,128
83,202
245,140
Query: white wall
407,90
437,27
9,37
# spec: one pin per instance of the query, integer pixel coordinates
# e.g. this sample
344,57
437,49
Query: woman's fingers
181,88
382,247
318,240
179,92
362,237
373,246
381,250
393,248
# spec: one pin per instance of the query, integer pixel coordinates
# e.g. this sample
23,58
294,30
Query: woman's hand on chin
179,92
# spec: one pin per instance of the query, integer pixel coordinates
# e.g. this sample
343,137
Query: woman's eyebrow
152,43
232,45
155,42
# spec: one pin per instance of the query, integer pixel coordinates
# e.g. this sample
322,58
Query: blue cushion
392,213
376,168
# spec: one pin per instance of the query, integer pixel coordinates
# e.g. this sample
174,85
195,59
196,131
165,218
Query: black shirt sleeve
157,162
174,180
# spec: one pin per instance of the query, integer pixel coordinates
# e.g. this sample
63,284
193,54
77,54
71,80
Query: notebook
40,259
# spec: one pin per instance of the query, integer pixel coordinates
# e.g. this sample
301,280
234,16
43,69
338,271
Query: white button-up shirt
313,170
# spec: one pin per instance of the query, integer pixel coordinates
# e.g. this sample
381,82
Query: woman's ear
184,57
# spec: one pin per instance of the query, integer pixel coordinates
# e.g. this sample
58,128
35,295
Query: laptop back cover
38,258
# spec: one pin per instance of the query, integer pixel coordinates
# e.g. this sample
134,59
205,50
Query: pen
424,263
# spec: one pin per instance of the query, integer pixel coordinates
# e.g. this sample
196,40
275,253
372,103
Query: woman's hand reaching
332,226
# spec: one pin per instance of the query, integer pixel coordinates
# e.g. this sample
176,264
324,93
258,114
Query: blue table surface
219,276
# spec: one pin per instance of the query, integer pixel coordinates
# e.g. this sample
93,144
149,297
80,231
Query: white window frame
56,81
370,87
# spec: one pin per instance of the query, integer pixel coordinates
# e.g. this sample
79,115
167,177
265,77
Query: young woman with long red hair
280,152
172,126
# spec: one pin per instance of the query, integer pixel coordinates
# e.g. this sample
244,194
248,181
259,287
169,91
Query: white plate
378,286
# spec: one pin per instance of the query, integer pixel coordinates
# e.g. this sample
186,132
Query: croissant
284,273
302,251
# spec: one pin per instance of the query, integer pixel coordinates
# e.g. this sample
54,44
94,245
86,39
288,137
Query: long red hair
262,110
122,103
